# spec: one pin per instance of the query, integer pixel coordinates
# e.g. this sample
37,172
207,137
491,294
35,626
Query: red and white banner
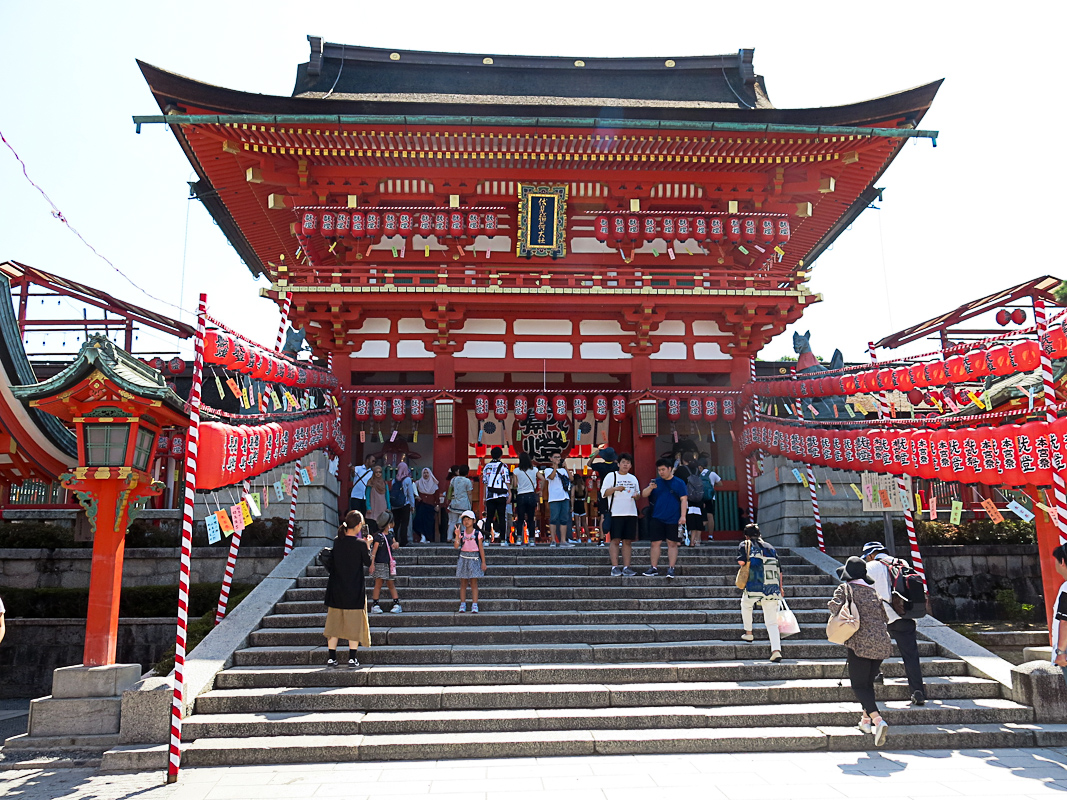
235,353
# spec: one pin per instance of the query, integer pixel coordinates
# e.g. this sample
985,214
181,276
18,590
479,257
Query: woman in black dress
346,592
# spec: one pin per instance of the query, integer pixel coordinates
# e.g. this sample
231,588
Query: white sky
982,211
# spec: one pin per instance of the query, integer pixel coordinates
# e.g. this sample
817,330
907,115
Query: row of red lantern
1001,360
379,408
633,228
387,222
233,353
559,409
1008,455
228,454
175,366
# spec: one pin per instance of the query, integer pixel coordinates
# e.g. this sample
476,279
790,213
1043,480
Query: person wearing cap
869,645
469,541
603,463
496,477
764,587
902,630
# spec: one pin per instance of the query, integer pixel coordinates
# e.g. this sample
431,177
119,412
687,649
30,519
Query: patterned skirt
469,566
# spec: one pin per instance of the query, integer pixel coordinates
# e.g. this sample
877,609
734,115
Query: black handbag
325,558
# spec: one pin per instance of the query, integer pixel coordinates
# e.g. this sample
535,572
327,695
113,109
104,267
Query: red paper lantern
696,408
374,223
867,381
602,228
783,231
474,224
1003,317
540,408
711,408
618,407
700,229
425,221
884,378
600,408
481,406
379,408
559,408
685,229
650,230
309,223
216,347
490,225
522,408
456,225
938,373
326,224
918,375
1018,316
849,384
1027,355
405,224
717,230
500,407
358,225
361,408
748,230
956,369
915,397
579,406
766,231
261,367
633,229
1001,360
418,408
729,409
398,410
902,379
668,229
733,230
389,223
674,408
344,225
1055,342
977,364
440,224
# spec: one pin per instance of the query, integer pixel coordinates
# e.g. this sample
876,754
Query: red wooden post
1048,539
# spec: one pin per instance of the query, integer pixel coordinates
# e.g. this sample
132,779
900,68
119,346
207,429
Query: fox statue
808,364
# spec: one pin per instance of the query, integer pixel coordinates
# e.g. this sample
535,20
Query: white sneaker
864,726
462,608
504,544
396,609
474,608
376,609
881,731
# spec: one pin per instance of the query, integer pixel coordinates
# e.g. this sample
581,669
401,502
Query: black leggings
861,672
496,509
525,511
401,515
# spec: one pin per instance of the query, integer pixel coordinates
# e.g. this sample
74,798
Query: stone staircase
566,660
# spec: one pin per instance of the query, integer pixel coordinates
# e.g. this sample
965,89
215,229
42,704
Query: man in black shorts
669,506
620,490
605,466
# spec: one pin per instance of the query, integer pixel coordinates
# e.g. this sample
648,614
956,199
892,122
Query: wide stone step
520,557
547,606
540,581
707,650
574,571
506,721
325,748
665,590
515,674
584,695
474,634
412,618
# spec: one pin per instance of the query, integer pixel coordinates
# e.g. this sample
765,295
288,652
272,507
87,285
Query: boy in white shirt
559,501
621,489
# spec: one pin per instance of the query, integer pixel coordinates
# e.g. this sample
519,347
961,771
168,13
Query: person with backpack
527,491
559,501
384,563
890,575
496,477
868,646
694,490
761,584
467,538
602,463
401,501
620,491
709,478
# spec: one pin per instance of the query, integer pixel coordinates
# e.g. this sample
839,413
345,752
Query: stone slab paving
900,775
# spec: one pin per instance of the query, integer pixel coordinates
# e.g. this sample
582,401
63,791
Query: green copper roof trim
548,122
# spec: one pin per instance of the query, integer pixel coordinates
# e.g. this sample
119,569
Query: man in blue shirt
669,506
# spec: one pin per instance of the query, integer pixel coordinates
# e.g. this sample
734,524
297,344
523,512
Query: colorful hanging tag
883,495
305,479
218,384
253,504
830,486
869,491
918,504
804,480
991,509
856,489
214,532
392,436
904,503
246,512
777,477
1021,511
670,252
851,413
234,387
237,519
956,515
244,397
313,471
933,508
288,481
976,400
362,436
224,522
265,497
798,476
835,410
279,491
814,412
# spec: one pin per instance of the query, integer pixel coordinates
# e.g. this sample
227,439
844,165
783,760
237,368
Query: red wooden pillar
1048,539
644,446
444,447
739,376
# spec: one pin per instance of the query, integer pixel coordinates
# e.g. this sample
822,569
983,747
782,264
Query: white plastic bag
787,620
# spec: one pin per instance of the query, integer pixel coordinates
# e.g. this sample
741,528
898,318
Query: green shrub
37,534
136,601
199,628
1011,609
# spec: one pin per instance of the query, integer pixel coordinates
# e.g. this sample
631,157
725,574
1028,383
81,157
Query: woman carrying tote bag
760,578
868,645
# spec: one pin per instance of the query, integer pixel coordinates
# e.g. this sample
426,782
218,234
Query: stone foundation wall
68,568
964,579
33,648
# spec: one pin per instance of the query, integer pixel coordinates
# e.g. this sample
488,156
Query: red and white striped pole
283,323
750,463
292,510
231,563
191,448
902,490
1059,488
